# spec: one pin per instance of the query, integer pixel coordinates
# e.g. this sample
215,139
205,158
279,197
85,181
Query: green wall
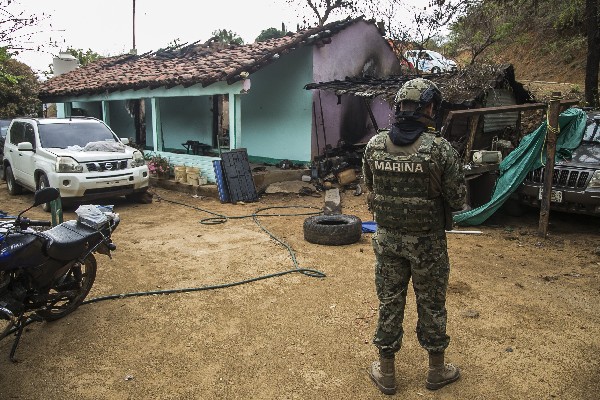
92,108
186,118
120,120
277,111
149,126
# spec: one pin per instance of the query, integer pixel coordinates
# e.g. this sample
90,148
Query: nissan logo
108,166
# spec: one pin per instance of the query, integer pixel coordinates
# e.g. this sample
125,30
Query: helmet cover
419,90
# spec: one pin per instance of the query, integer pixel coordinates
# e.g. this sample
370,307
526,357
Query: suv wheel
41,184
435,70
13,186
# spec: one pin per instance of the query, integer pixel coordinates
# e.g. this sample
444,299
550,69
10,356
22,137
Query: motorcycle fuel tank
20,250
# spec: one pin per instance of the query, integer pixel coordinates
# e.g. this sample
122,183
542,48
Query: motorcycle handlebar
24,223
33,222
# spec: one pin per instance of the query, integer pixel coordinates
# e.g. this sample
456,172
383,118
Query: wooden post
473,124
551,133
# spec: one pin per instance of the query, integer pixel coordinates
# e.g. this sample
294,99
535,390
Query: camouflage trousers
399,257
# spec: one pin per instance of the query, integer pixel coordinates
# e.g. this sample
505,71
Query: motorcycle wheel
81,276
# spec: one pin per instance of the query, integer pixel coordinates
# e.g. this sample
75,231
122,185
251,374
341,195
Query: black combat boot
440,374
383,374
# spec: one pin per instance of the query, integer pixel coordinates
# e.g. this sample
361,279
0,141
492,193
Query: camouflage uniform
411,185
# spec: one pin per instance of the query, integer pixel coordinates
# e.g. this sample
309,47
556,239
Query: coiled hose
220,219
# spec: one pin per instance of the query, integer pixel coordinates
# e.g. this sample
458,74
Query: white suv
430,61
82,157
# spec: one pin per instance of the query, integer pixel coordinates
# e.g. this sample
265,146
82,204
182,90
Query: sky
105,26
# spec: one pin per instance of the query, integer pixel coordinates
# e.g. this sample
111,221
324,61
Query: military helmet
421,91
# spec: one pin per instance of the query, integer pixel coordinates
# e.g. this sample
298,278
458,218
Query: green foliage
270,33
566,48
483,25
549,22
226,37
6,76
84,57
19,88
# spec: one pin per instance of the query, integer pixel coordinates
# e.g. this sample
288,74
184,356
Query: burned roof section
197,63
465,87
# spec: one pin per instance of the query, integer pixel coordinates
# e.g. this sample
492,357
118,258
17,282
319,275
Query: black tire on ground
332,230
41,184
435,70
13,186
80,279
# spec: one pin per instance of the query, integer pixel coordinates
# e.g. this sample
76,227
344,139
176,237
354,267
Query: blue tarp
369,226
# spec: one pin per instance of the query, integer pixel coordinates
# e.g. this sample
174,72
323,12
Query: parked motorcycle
46,274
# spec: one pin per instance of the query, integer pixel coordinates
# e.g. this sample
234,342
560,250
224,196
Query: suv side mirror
45,195
25,146
124,140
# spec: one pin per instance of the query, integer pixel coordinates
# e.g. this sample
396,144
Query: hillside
541,70
538,63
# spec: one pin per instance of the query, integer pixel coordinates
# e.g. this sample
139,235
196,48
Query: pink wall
358,50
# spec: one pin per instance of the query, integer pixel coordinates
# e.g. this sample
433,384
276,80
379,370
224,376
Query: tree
19,87
226,37
323,9
269,33
84,57
411,27
16,30
17,27
483,25
593,53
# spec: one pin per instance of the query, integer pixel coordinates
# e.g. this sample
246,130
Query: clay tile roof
189,65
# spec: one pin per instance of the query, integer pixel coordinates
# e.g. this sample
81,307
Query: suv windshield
73,134
592,132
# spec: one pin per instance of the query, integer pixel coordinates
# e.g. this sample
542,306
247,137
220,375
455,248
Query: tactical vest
402,184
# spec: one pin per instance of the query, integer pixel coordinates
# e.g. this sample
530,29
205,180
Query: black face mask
408,127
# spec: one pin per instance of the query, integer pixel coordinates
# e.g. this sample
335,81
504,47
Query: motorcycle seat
70,240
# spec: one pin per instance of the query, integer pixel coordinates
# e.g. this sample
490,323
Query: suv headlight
67,164
138,159
595,181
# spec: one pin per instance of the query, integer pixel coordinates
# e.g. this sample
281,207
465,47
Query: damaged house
474,87
191,103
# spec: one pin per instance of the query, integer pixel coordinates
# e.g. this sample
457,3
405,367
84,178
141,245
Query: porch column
63,110
106,112
235,121
157,137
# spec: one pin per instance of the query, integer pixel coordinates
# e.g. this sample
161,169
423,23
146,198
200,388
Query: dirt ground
523,312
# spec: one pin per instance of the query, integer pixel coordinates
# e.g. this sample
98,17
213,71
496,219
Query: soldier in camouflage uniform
416,179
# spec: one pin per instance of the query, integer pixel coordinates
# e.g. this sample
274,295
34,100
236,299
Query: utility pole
551,134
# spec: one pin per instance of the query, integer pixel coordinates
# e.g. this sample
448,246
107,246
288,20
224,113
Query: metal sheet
497,122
